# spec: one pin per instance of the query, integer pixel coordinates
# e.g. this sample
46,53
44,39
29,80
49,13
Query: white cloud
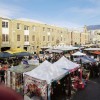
30,20
84,10
65,24
9,10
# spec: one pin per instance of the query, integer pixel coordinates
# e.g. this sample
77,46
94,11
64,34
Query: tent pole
49,92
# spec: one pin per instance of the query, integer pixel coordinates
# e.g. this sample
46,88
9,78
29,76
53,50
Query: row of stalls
61,49
82,58
41,82
90,64
44,80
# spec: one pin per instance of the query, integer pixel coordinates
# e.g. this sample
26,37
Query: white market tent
66,48
44,74
47,71
54,51
66,64
78,54
93,49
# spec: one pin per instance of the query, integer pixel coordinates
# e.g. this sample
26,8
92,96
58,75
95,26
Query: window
48,38
4,24
98,33
26,27
26,38
33,28
61,38
43,38
48,29
33,38
52,38
4,37
18,37
43,28
18,25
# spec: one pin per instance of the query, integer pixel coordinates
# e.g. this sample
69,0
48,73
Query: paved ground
91,92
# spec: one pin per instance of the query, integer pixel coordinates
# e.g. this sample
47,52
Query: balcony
26,43
5,44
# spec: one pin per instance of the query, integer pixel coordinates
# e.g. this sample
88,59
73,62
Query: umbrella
17,50
5,55
21,54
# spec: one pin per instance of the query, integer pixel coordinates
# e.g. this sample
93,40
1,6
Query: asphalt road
91,92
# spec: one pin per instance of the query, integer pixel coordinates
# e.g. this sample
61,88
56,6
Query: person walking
2,74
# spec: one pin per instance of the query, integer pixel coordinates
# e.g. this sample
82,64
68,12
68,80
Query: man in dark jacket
2,74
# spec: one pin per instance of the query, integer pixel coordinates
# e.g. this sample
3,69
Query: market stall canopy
21,54
5,55
96,52
84,60
66,48
78,54
66,64
54,51
8,51
17,50
89,58
22,68
47,71
94,49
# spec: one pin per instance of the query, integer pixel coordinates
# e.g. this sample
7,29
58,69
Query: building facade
94,33
19,33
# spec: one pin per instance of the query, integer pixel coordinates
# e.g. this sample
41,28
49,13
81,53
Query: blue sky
67,13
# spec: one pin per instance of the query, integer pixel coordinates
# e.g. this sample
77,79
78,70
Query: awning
47,71
8,51
5,55
54,51
93,49
78,54
96,52
17,50
21,54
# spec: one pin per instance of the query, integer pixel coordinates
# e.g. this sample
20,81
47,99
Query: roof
22,68
93,27
64,63
47,71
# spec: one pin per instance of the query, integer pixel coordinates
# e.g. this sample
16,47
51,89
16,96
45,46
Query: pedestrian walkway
91,92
